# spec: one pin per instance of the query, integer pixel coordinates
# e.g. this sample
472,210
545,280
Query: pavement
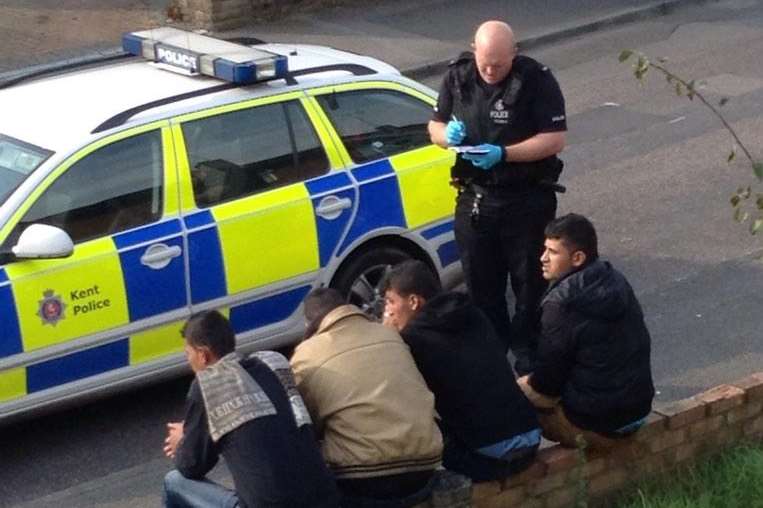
416,37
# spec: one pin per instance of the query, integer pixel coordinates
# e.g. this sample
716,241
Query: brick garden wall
230,14
674,435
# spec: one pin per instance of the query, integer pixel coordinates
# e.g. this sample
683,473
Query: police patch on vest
499,114
51,309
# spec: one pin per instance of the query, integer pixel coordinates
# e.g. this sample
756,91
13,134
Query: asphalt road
647,166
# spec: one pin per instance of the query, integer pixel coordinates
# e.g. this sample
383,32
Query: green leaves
642,66
693,89
690,90
740,215
756,225
642,63
625,55
757,168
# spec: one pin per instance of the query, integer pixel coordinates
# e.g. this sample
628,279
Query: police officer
510,109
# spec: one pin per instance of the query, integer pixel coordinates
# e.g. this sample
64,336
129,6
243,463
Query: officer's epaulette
464,57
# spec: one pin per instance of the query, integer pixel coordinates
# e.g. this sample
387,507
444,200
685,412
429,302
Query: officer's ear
578,258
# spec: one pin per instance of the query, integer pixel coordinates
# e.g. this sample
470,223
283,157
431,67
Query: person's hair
212,330
576,232
317,304
411,277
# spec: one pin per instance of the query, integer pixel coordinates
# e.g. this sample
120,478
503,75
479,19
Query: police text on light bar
200,54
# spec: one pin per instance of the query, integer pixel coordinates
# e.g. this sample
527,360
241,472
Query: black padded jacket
594,349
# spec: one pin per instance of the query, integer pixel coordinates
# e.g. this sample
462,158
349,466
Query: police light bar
200,54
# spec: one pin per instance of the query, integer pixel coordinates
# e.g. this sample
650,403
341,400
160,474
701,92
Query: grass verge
732,479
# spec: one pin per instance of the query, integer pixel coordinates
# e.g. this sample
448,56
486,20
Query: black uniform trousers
500,238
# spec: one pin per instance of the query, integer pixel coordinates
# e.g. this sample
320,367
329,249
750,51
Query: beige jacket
367,399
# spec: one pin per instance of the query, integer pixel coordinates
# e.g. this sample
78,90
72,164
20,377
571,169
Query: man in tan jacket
370,405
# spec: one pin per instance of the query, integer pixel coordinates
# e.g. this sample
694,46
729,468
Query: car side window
377,123
117,187
249,151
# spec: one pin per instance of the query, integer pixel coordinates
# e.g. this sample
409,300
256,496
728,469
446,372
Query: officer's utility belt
510,178
479,193
499,191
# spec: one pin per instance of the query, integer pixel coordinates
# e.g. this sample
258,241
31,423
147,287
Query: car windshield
17,161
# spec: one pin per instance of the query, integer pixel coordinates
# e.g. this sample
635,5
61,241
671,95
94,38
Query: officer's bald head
494,50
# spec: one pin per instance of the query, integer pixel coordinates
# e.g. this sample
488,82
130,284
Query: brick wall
674,435
229,14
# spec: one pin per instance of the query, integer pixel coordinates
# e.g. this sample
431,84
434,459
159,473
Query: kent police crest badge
52,308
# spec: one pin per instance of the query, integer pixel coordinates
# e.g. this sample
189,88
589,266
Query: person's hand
455,132
487,160
389,320
537,399
174,435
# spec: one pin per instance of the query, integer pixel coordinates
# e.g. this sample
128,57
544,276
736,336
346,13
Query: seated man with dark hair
371,407
592,376
489,428
250,413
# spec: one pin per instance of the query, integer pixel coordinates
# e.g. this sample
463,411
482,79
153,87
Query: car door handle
331,207
159,255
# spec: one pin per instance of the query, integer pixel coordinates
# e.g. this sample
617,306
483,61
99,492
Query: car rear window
374,124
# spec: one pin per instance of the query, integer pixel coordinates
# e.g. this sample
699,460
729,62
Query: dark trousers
391,491
459,458
506,240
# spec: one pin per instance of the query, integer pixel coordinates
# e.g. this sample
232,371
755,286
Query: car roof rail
124,116
63,67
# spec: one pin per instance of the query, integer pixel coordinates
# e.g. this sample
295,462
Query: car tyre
359,279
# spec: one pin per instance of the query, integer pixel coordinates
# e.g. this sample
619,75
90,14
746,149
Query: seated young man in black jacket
250,413
592,375
489,428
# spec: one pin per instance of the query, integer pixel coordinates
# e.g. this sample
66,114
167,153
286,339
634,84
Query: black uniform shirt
527,102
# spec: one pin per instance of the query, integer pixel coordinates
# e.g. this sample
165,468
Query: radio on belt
200,54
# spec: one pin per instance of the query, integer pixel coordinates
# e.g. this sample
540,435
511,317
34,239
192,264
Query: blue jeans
182,492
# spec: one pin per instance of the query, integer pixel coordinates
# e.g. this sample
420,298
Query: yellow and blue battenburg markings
76,305
426,195
330,231
205,258
379,203
199,54
12,382
151,292
448,251
209,281
405,191
10,332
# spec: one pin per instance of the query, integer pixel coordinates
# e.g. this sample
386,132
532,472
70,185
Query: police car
133,195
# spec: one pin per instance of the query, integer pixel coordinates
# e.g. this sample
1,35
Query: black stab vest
511,101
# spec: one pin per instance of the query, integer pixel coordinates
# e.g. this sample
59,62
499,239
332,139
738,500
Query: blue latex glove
485,161
455,132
